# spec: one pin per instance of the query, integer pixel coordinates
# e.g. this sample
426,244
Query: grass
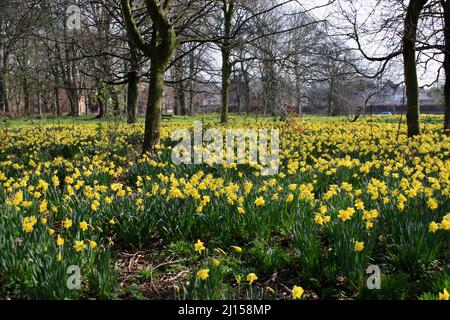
348,195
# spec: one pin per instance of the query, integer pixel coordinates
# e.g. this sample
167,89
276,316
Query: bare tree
419,42
159,49
446,9
409,56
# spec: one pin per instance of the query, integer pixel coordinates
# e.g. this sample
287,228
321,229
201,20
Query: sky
425,76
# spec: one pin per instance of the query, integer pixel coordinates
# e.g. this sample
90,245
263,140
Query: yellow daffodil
359,246
92,244
83,225
251,277
78,246
432,204
433,227
59,241
199,246
297,292
259,202
237,249
444,295
203,274
67,223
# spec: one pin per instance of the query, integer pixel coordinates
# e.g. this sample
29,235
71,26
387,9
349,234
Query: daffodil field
347,196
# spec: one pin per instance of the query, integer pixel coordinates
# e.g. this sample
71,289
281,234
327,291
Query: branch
133,30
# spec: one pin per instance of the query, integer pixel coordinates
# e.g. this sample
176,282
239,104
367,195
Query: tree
16,19
133,83
239,20
394,17
228,8
446,8
409,61
178,88
160,50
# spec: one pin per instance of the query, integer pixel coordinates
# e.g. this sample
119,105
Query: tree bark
132,97
180,100
4,95
57,102
70,73
330,98
179,92
228,9
133,84
270,84
101,103
299,91
409,57
446,7
115,101
246,89
39,105
26,95
2,82
74,101
152,134
191,82
159,61
226,83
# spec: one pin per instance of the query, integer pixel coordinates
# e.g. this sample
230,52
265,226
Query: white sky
323,12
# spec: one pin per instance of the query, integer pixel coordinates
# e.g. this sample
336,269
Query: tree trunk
226,83
57,102
26,95
191,99
271,92
115,101
101,102
133,83
239,94
4,96
2,82
191,82
228,9
409,57
299,107
39,105
299,92
179,94
160,50
2,93
446,7
152,134
132,97
91,107
330,98
160,58
180,100
74,101
246,89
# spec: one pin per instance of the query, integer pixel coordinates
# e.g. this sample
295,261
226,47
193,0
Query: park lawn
347,196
